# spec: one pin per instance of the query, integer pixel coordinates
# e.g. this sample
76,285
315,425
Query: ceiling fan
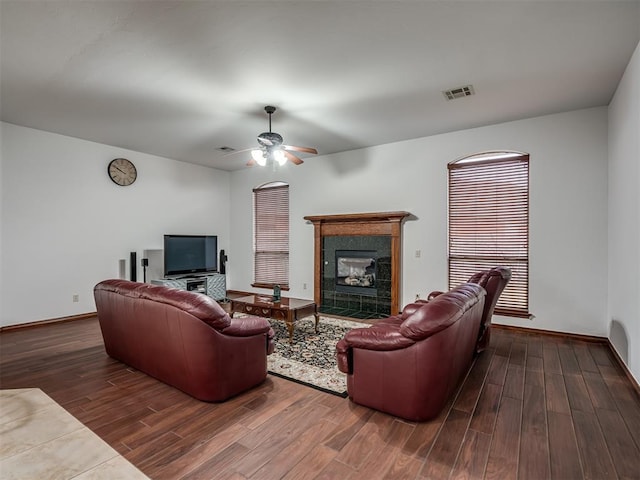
272,150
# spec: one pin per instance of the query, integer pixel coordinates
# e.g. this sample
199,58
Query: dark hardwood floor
533,406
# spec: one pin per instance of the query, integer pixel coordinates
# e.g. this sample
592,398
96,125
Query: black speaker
223,262
145,263
133,264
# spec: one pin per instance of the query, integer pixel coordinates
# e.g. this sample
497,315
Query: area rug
311,358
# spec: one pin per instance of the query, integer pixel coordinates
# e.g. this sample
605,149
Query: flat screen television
190,254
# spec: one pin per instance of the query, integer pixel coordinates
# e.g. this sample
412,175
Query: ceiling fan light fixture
258,156
280,157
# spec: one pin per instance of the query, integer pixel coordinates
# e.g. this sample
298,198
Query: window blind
271,241
489,225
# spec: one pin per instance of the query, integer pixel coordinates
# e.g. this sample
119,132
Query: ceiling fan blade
292,158
300,149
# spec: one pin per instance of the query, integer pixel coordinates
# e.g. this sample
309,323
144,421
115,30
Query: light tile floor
41,440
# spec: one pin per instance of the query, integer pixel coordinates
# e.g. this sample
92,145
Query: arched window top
489,156
271,185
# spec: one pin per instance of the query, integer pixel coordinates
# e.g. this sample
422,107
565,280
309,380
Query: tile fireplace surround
378,233
375,303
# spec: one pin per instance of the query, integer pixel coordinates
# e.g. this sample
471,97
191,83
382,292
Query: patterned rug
311,358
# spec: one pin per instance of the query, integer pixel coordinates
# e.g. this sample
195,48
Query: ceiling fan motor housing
270,139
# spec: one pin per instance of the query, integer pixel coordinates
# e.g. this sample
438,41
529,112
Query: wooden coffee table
287,309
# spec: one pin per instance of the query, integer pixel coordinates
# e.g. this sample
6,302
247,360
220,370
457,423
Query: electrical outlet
76,298
418,253
304,286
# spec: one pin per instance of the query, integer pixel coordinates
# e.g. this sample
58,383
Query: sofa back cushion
200,306
443,311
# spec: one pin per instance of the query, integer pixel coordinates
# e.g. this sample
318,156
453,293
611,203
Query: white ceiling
180,79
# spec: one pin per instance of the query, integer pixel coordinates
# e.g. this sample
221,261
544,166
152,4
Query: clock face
122,172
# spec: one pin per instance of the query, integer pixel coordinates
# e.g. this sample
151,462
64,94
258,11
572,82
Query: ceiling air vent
458,92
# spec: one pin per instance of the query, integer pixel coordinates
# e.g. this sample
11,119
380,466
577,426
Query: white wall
66,225
624,217
568,211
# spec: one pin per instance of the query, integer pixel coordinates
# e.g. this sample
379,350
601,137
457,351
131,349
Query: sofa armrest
434,294
344,357
411,308
247,326
380,339
373,338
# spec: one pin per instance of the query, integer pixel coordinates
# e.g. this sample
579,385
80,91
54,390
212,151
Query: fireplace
357,263
356,272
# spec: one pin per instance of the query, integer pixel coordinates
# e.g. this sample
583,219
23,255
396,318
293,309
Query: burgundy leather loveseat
182,338
409,365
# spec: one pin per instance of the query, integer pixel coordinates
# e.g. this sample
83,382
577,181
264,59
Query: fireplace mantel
374,223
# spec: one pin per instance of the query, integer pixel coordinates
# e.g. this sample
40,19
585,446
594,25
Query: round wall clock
122,171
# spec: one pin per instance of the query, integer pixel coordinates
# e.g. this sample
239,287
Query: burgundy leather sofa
182,338
493,281
409,365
